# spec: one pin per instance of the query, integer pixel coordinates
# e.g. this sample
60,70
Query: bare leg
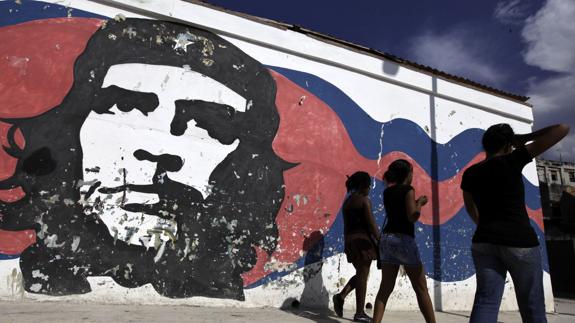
349,287
417,278
362,274
357,282
388,276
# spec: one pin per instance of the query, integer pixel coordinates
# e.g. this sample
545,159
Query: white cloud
564,150
553,102
550,37
554,93
457,52
511,12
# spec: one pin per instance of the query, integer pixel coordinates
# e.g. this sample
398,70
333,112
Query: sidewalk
57,312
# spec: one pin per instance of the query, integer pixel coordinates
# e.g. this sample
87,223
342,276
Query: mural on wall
157,164
158,153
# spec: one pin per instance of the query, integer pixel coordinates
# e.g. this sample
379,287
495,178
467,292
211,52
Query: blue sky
525,47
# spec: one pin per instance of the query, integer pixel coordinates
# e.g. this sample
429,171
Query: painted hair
496,137
357,181
397,171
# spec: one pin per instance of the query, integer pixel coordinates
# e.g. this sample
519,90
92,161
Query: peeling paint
160,252
207,61
130,32
120,17
20,63
37,274
36,287
51,241
75,243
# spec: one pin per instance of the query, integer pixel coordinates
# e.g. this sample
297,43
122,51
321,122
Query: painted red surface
14,242
311,127
36,64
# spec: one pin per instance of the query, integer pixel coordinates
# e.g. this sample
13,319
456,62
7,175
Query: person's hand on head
422,200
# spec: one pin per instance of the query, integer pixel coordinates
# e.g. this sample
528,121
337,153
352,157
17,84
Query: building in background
556,175
557,186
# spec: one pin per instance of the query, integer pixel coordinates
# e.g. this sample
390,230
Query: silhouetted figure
360,234
504,240
397,245
314,292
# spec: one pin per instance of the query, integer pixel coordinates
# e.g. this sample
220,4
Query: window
553,176
572,177
541,174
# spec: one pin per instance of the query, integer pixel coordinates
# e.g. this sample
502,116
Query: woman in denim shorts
397,245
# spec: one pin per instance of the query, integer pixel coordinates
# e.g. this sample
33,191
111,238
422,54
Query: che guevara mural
154,152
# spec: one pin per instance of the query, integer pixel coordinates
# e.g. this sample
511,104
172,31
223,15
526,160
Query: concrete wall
152,161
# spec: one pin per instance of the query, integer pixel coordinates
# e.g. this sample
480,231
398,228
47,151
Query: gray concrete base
58,312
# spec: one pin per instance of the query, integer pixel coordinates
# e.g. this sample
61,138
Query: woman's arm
372,227
413,206
471,207
542,139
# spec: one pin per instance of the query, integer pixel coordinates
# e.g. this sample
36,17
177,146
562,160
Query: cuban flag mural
154,153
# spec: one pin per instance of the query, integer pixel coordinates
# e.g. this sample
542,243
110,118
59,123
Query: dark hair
54,151
496,137
357,181
397,171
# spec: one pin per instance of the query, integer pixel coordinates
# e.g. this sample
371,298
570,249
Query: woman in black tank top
360,234
397,245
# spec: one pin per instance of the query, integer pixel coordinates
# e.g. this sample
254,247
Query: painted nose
170,163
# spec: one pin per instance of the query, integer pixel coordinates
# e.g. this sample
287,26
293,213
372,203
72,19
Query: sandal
338,305
362,318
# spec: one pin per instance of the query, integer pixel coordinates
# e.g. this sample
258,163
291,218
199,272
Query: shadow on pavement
313,314
454,313
565,306
314,300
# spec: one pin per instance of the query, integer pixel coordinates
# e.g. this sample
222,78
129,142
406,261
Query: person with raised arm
504,240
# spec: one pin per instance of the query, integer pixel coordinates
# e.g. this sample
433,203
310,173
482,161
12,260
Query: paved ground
52,312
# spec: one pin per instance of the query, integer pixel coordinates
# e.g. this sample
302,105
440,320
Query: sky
525,47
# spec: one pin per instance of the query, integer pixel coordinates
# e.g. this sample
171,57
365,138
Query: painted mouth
145,188
161,200
141,199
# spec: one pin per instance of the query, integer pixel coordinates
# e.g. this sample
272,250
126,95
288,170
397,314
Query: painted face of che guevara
158,163
133,148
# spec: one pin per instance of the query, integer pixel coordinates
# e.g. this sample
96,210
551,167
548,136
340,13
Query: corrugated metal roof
373,52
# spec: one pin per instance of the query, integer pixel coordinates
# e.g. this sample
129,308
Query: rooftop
373,52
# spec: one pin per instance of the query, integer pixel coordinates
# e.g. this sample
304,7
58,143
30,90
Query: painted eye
127,106
125,101
218,120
